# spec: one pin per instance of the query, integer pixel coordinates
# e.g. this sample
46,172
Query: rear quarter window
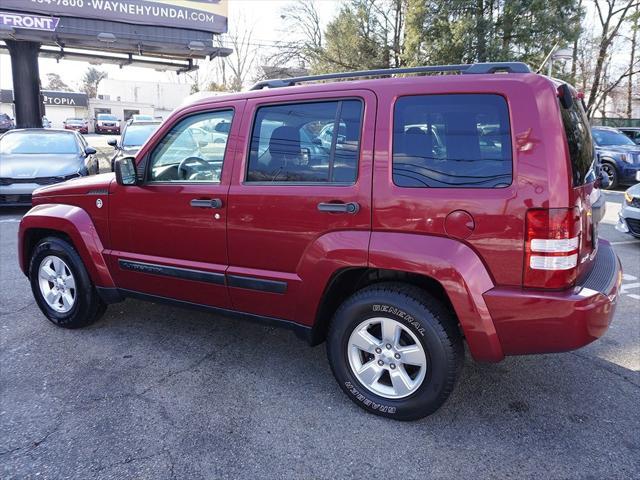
452,141
579,141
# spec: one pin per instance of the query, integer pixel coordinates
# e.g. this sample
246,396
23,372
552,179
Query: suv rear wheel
61,285
395,351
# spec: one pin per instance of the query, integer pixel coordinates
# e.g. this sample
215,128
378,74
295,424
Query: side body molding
77,225
460,272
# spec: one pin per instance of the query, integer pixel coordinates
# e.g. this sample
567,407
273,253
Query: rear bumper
535,321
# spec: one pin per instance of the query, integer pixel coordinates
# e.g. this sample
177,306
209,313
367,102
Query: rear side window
581,150
306,143
452,141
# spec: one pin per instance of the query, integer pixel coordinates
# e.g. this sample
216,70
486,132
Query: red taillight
552,245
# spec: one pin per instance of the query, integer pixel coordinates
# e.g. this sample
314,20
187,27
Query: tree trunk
634,38
481,45
574,56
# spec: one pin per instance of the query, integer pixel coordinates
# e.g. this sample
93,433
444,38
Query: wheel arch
72,224
347,281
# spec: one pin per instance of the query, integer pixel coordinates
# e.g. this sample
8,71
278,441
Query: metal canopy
98,58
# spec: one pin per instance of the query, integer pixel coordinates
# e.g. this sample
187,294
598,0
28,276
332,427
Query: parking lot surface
157,392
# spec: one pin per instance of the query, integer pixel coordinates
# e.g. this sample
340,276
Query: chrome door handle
351,207
206,203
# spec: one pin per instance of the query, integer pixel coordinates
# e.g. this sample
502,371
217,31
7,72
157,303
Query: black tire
431,323
88,306
612,172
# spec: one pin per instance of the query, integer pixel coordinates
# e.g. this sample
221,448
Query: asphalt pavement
154,392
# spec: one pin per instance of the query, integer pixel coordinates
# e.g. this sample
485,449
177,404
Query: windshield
136,135
610,137
38,143
75,121
102,116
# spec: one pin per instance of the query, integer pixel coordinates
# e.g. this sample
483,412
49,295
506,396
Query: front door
168,234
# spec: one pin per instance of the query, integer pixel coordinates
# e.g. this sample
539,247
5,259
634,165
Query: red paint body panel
76,223
534,321
274,233
460,272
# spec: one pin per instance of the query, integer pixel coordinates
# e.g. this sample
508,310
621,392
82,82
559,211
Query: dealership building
58,105
122,98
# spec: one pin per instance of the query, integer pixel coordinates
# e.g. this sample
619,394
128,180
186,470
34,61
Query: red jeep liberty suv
394,218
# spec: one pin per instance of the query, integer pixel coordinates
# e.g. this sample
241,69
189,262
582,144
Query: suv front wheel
61,285
395,351
612,172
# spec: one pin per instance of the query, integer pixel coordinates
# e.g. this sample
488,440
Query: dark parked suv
435,210
618,155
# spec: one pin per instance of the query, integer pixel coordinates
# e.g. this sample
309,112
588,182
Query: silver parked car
629,216
30,158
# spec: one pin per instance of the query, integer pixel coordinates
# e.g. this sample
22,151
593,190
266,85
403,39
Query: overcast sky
264,15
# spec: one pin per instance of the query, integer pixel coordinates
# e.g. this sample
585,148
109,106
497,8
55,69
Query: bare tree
242,61
610,14
301,23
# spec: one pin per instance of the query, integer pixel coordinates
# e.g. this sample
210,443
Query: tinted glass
297,143
452,141
604,138
75,121
136,135
104,116
578,133
38,143
189,152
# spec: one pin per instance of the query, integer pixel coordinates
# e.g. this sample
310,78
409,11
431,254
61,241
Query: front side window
452,141
192,151
300,143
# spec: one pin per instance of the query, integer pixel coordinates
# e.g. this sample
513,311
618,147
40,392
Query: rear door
297,193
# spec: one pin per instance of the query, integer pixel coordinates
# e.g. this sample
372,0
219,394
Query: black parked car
133,137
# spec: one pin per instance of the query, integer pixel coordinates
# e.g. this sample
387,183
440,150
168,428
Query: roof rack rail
473,68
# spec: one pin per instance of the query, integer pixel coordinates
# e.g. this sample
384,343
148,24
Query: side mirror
113,142
90,151
125,169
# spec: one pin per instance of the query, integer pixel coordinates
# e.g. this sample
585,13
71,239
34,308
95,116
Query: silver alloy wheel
57,285
387,358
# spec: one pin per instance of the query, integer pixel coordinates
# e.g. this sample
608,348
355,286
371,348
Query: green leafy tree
54,82
354,40
90,81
